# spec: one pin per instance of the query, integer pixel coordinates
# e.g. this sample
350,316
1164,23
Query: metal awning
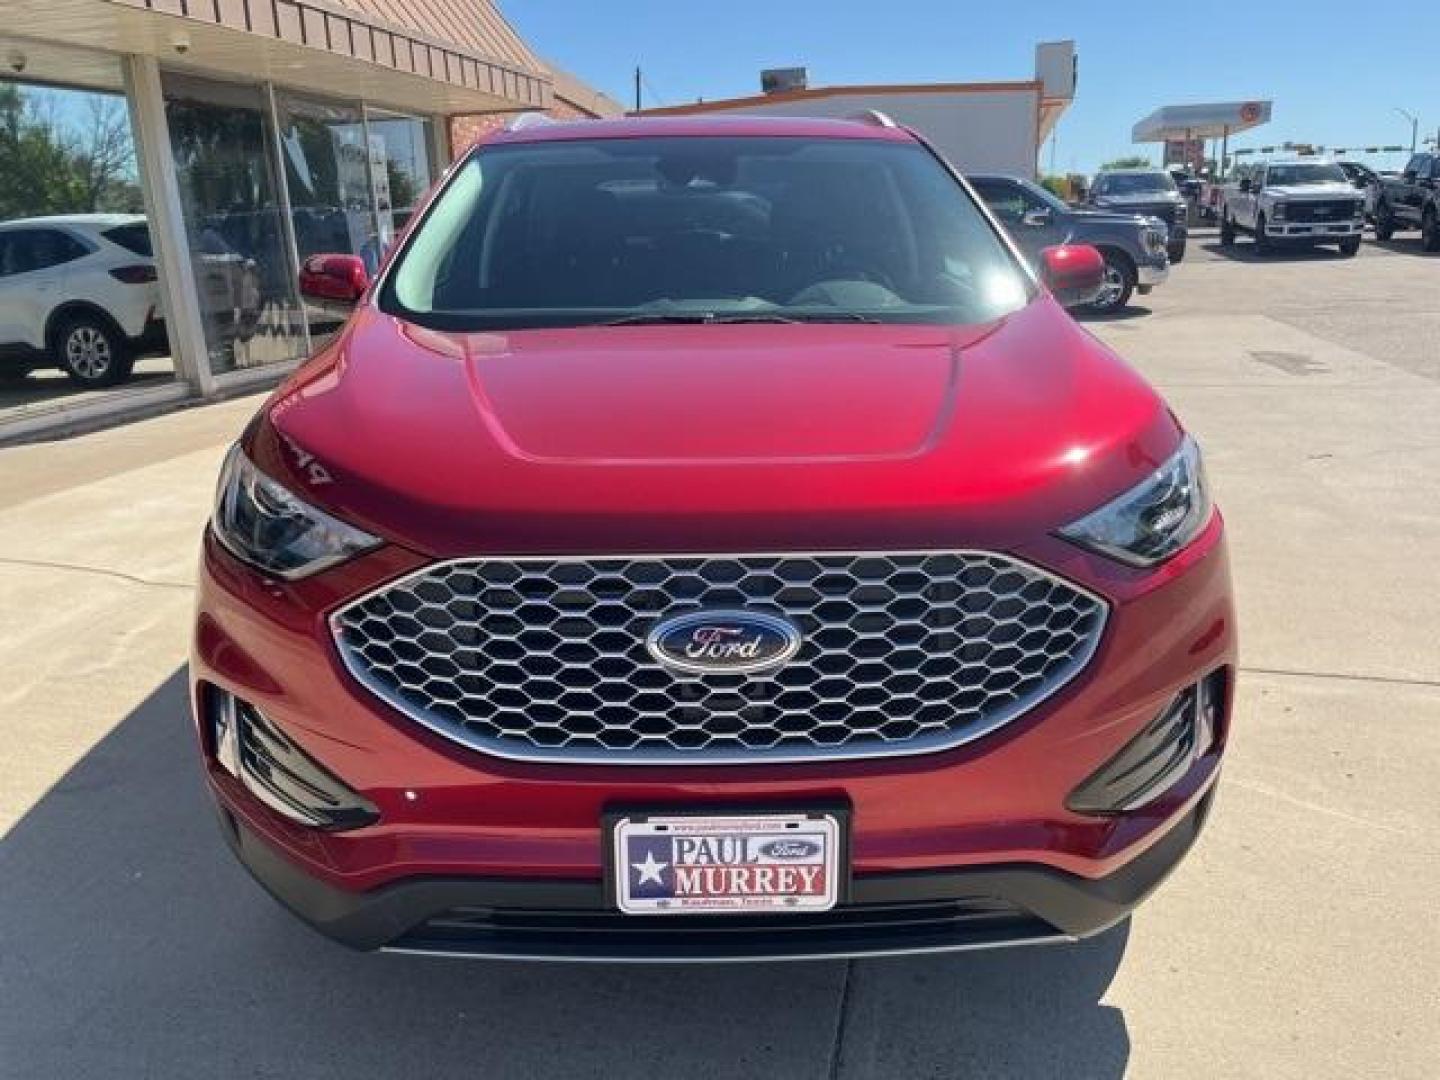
378,50
1212,121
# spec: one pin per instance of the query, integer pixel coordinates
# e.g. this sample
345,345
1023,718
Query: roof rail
528,120
873,117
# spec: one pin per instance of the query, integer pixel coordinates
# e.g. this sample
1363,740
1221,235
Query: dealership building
979,126
251,134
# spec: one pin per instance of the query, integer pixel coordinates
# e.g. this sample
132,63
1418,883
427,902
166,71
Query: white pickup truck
1292,202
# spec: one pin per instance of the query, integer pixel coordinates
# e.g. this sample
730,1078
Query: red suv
709,540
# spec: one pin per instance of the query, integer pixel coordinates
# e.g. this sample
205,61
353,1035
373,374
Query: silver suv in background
1290,203
1134,246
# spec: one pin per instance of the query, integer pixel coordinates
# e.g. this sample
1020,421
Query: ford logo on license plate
723,642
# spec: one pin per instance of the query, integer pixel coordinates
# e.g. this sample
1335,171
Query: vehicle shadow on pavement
1405,244
132,944
1130,311
1244,251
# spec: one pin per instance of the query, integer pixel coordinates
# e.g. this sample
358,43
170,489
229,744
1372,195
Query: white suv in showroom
78,292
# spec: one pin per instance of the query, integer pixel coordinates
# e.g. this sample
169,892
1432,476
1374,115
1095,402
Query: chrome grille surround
545,658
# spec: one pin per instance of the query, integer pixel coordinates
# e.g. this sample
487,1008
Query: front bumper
886,915
931,836
1313,230
1148,275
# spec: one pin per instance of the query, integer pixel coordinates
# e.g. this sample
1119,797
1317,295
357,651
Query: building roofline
575,91
412,47
810,94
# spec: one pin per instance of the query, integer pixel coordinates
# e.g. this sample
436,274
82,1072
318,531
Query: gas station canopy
1200,121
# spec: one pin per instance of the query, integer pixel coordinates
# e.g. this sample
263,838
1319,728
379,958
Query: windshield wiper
661,318
834,316
657,318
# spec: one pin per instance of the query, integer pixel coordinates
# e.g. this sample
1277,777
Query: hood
714,437
1314,191
1111,217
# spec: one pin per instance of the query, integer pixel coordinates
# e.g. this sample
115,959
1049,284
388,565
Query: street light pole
1414,127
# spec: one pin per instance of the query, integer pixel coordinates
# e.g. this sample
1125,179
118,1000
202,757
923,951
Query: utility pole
1414,127
637,87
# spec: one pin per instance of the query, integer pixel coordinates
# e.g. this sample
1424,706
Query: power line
649,89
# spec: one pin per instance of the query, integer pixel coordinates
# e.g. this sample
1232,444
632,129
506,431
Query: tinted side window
1005,199
134,238
39,249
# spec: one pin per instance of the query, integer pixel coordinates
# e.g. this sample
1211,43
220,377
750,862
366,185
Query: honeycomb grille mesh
546,658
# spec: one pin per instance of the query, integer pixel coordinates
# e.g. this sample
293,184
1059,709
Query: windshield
1297,175
1133,184
676,229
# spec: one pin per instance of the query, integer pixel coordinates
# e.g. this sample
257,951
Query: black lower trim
923,911
153,340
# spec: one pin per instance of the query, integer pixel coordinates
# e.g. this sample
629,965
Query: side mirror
334,279
1409,176
1036,218
1074,273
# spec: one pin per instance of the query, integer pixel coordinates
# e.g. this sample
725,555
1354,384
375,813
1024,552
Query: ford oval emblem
790,849
723,642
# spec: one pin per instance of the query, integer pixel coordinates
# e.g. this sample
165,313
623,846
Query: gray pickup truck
1133,245
1411,201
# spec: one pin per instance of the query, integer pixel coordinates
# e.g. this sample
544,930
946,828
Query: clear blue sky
1336,71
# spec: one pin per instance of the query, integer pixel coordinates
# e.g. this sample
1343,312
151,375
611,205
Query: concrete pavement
1296,941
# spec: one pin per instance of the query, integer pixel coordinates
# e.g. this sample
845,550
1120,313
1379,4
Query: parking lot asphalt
1297,940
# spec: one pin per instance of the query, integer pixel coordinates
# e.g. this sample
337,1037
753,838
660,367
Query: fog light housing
1154,761
277,772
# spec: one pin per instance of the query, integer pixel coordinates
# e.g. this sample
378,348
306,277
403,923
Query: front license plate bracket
724,861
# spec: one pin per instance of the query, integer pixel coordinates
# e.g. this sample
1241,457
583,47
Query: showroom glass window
328,168
403,168
67,152
234,223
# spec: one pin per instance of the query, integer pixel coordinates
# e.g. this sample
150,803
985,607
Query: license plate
686,864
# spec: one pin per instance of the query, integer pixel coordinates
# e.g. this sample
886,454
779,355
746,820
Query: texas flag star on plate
651,863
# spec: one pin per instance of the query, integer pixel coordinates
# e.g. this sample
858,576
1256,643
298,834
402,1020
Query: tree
49,165
1057,185
1134,161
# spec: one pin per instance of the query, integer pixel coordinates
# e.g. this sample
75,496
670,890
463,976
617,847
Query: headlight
262,523
1278,211
1103,200
1358,209
1155,518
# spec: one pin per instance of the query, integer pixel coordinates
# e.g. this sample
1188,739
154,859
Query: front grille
856,929
546,658
1337,210
1165,211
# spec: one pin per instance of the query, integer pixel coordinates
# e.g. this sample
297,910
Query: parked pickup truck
1292,202
1133,244
1411,201
1150,192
